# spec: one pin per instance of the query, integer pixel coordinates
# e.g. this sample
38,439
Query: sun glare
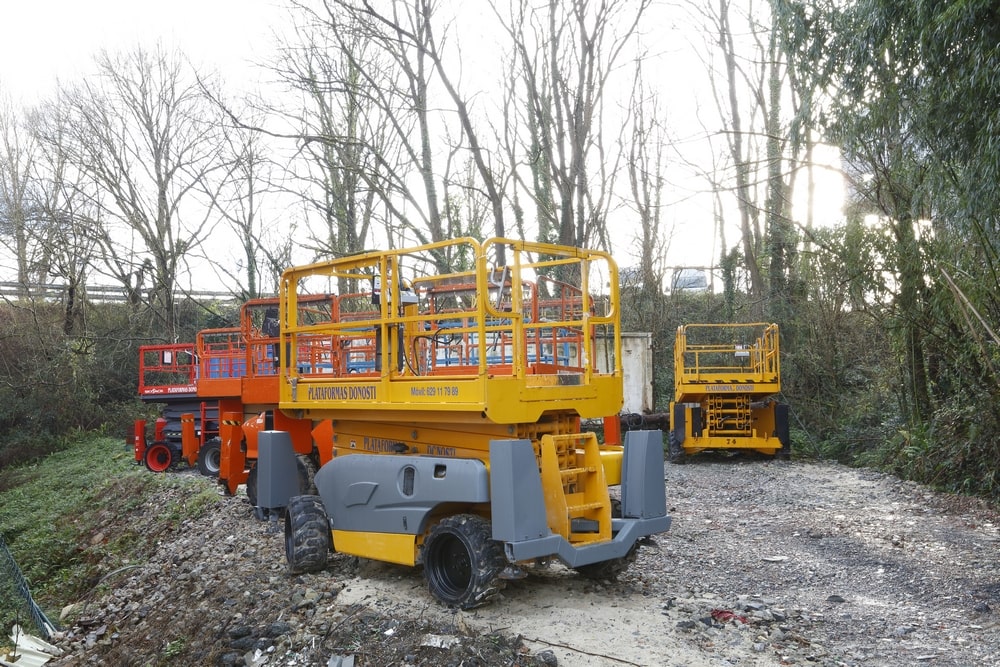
828,192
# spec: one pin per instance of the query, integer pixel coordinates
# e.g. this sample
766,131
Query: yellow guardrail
725,353
411,335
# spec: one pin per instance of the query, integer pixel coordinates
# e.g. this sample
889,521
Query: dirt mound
767,563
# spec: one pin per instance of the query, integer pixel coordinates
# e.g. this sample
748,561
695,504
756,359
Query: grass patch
86,510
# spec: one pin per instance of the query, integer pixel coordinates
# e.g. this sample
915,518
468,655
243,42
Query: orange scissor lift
226,371
168,374
195,382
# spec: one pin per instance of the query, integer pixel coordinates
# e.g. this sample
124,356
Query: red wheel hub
158,457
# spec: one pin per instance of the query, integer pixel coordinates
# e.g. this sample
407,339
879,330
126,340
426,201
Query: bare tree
428,45
646,165
751,89
243,197
386,112
141,132
16,201
249,176
377,124
68,243
565,53
741,150
346,167
414,28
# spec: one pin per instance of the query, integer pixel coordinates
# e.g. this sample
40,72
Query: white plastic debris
29,651
439,641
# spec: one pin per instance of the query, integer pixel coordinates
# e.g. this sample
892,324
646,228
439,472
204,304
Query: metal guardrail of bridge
104,293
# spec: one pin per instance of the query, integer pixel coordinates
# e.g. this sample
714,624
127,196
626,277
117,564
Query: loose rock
824,565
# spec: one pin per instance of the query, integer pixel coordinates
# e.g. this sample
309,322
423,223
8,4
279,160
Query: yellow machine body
725,379
419,362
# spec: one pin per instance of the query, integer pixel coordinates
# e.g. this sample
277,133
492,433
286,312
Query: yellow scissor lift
725,378
452,414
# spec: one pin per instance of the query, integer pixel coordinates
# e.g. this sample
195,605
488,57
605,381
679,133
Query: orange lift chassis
446,406
168,374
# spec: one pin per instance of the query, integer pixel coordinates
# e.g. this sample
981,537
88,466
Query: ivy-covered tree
912,104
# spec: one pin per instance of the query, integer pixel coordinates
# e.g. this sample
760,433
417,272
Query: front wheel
307,534
462,561
210,458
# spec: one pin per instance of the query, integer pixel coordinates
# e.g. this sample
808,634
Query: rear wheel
462,562
159,457
307,534
210,457
608,570
252,484
784,453
675,450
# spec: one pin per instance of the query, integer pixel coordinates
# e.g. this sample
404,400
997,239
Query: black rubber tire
159,457
252,484
784,453
462,562
783,432
675,450
608,570
306,468
307,534
210,458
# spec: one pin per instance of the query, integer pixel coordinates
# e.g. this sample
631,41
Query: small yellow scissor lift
725,379
447,404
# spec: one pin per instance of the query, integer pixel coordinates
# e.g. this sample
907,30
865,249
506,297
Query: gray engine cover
387,493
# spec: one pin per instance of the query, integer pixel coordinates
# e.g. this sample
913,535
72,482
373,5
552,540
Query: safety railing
166,370
533,322
724,353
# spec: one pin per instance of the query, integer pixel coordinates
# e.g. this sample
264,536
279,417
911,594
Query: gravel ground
767,563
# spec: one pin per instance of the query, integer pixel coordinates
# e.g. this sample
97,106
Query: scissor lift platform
725,380
478,346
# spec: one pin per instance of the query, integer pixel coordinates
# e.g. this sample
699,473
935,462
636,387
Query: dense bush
55,382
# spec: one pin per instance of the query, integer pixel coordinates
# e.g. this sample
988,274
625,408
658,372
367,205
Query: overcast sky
41,40
45,40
